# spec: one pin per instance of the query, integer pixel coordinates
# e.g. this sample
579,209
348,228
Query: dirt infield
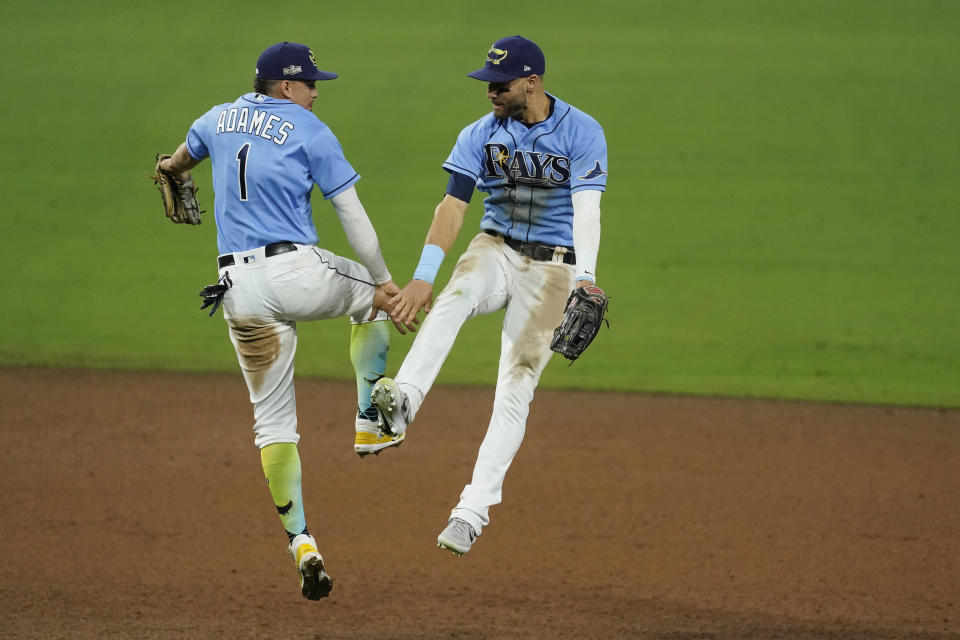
133,506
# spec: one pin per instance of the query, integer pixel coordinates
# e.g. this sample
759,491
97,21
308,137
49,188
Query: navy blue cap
510,58
290,61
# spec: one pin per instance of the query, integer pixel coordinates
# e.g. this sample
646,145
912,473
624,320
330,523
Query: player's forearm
447,221
181,161
361,234
586,233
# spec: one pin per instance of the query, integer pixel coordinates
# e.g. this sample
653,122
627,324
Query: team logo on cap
310,54
292,70
495,55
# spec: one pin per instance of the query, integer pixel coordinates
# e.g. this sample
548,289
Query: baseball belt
269,251
535,250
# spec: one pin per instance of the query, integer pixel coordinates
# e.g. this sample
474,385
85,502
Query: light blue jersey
266,154
530,173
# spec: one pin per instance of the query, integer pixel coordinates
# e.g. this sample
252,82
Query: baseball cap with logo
290,61
510,58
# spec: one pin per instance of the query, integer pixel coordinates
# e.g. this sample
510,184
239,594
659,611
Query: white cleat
394,406
458,537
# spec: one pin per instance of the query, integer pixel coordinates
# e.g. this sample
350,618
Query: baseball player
267,150
543,164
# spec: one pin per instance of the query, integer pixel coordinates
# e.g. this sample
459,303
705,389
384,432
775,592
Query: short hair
264,86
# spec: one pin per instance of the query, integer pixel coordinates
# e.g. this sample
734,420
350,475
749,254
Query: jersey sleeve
198,137
467,154
461,186
588,164
196,145
328,166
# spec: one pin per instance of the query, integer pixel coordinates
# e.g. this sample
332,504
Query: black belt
535,250
269,251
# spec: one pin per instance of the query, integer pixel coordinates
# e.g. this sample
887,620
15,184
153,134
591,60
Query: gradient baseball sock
281,467
369,343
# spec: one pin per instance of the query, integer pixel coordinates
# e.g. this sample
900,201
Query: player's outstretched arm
360,234
447,220
418,294
363,239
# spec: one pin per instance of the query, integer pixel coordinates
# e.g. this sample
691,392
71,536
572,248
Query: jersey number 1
242,170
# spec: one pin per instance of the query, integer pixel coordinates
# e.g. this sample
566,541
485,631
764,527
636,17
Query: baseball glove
179,196
581,322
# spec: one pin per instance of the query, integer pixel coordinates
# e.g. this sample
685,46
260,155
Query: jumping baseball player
543,163
267,150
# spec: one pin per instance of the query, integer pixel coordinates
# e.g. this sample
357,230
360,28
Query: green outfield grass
781,219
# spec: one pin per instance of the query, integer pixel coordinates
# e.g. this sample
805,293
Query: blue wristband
430,261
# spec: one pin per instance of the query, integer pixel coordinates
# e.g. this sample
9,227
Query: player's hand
418,294
382,300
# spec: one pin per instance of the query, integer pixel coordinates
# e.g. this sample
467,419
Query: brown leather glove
179,196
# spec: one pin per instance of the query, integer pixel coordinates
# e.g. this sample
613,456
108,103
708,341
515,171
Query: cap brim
319,75
489,75
322,75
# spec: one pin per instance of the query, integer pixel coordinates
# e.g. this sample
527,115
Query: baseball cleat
394,406
314,581
367,443
457,538
370,439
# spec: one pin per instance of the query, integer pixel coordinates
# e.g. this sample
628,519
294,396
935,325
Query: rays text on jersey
525,167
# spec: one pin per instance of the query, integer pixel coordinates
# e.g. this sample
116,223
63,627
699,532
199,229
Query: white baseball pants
488,277
268,297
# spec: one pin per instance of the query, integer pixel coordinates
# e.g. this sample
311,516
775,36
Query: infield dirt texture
136,509
781,223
